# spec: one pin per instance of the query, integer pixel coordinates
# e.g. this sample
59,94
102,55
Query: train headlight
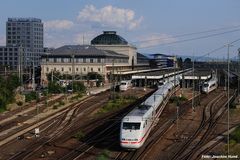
123,139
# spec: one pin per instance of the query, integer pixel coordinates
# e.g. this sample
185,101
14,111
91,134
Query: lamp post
33,74
193,106
228,64
73,70
238,70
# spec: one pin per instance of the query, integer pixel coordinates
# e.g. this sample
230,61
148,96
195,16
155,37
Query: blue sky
67,21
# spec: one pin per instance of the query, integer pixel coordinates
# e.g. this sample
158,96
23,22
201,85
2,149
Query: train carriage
136,125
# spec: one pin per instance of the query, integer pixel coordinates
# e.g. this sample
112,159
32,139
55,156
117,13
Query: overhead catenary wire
189,34
190,39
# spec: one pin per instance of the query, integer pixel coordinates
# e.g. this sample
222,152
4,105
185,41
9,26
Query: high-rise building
27,32
24,43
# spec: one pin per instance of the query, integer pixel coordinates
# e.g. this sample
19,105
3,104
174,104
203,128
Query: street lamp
238,69
73,70
228,48
33,75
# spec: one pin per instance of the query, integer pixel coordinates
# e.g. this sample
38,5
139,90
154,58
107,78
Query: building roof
30,19
109,38
82,51
141,56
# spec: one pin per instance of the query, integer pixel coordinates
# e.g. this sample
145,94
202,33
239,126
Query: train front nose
130,140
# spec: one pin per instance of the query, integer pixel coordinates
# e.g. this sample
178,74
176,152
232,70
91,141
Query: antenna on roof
83,39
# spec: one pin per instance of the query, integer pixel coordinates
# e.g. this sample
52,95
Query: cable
188,34
191,39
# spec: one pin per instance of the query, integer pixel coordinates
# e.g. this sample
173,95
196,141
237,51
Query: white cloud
58,24
2,40
109,16
154,40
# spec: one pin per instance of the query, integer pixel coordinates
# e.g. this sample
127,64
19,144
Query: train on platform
210,85
125,85
137,124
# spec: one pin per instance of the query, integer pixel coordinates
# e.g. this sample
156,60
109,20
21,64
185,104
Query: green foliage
78,96
80,135
180,62
177,100
7,88
54,87
232,142
235,135
78,87
31,96
55,106
61,103
233,105
19,103
104,155
117,103
2,110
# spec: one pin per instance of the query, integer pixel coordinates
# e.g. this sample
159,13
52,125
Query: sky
153,26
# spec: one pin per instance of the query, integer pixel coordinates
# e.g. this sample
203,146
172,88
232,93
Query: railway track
56,130
108,127
16,123
158,131
65,126
210,116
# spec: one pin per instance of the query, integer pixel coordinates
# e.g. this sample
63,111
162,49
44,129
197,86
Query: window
62,69
76,69
99,70
99,60
91,69
91,60
47,69
131,126
84,69
84,60
70,69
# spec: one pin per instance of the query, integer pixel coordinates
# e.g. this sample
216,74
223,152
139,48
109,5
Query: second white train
210,85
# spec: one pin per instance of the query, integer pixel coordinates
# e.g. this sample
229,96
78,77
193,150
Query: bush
31,96
79,87
8,86
55,106
61,103
117,103
104,155
54,87
235,135
19,103
80,135
233,105
176,99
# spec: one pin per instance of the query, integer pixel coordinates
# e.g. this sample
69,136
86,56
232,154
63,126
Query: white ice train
136,125
210,85
125,85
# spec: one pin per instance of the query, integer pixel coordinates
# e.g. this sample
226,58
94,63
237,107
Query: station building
108,54
163,61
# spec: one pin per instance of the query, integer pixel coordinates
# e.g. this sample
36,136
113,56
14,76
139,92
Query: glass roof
108,38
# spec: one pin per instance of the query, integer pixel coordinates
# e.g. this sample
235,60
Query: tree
180,62
54,87
8,86
187,61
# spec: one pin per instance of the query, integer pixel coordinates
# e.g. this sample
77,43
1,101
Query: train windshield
132,126
205,85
